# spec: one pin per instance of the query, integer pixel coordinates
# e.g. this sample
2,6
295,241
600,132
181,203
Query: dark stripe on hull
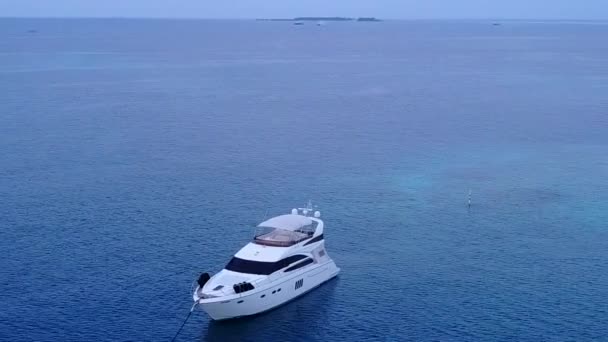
317,239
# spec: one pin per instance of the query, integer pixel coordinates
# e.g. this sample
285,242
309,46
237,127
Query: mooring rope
184,323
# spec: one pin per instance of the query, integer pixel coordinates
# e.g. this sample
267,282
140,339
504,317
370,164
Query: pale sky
390,9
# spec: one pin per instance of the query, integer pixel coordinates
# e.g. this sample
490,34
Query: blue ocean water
135,154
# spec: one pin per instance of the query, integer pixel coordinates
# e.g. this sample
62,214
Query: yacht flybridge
286,259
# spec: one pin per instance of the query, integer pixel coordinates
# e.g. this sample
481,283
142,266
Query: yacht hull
264,299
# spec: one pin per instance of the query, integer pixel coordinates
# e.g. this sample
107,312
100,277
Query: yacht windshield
261,267
250,266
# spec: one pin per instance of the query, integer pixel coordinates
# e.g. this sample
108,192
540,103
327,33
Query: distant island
368,19
372,19
322,19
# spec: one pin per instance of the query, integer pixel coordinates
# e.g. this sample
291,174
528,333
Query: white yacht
286,259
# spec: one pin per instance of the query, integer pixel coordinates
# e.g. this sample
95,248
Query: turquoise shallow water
135,154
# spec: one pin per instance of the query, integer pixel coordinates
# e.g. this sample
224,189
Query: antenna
308,209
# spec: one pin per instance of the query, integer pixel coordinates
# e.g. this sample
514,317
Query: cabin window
289,260
219,287
300,265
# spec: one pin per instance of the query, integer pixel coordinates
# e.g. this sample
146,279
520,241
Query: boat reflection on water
302,315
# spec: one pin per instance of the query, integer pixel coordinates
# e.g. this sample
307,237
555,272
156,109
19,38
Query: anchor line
184,323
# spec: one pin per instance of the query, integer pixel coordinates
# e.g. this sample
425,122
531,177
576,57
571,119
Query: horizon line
291,18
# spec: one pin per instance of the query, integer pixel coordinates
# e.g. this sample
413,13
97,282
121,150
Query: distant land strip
321,19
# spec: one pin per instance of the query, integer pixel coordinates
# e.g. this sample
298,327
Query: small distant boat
286,259
320,23
298,23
